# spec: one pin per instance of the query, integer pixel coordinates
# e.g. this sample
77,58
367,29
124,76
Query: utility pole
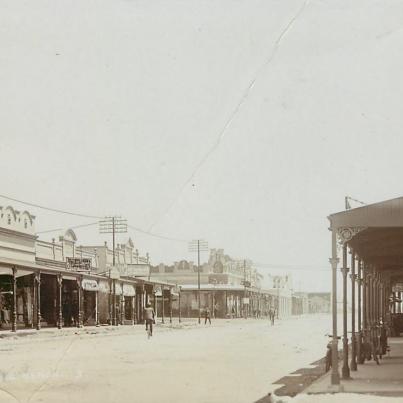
245,312
113,225
198,246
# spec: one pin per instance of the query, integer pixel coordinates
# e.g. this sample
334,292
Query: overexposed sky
278,108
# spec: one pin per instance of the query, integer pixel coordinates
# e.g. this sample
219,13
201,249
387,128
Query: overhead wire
166,238
86,216
74,227
48,208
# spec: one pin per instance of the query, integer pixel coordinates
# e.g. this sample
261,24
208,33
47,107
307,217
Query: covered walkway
368,242
385,380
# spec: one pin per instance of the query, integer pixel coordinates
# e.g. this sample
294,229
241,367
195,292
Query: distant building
229,287
319,302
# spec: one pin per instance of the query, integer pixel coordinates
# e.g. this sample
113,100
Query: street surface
229,361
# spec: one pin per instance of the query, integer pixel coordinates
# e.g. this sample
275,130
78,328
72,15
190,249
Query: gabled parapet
17,234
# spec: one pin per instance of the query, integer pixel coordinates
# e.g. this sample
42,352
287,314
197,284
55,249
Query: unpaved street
231,361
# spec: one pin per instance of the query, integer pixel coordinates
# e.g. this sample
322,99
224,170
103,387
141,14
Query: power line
166,238
48,208
75,227
86,216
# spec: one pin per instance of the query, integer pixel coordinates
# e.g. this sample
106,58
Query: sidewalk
50,332
385,379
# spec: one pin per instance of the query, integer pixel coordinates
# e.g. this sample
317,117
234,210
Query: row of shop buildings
234,288
60,284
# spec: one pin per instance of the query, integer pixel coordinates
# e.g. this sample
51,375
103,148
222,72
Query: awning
21,273
128,290
6,271
103,286
90,285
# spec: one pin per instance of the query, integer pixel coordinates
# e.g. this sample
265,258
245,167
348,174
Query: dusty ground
231,361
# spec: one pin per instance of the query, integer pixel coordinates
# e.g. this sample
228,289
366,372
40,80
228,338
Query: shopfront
129,294
90,301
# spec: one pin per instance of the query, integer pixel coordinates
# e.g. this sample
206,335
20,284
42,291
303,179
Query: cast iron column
114,319
335,377
14,323
353,363
170,306
97,308
59,289
80,298
110,302
345,369
179,303
359,341
38,300
163,304
365,301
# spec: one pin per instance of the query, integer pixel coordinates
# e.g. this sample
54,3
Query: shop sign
245,300
89,285
114,273
138,270
128,290
78,264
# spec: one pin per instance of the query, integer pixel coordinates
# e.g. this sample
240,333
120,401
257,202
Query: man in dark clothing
149,316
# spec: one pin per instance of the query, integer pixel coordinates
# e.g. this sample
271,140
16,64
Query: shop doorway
48,300
70,302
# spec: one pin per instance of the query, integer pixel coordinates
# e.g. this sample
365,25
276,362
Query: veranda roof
374,232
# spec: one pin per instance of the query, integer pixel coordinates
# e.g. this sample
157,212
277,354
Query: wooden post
59,289
14,322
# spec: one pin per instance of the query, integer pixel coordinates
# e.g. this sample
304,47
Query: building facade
61,284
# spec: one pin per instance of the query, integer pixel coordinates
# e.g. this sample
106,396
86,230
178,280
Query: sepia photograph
201,201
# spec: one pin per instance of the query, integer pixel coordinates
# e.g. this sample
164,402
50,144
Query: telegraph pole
113,225
198,246
245,312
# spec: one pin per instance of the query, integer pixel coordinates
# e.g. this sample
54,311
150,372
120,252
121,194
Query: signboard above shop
78,264
138,270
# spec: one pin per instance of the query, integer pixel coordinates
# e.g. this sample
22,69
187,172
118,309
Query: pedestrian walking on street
207,315
272,314
149,316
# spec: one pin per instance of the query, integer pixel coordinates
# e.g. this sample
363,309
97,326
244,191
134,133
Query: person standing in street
149,316
207,315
